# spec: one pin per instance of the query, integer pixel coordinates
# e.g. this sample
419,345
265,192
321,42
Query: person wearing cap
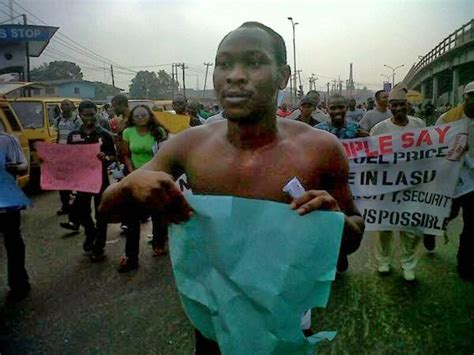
339,125
410,242
307,106
317,114
465,255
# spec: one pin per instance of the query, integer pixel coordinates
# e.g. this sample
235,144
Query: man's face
469,104
66,106
399,108
247,76
337,110
307,109
352,104
179,106
88,117
382,99
117,108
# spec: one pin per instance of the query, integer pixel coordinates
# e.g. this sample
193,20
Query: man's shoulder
417,121
307,135
380,127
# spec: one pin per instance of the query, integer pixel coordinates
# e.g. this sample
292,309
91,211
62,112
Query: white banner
405,180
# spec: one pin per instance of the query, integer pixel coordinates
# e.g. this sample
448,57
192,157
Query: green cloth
246,271
141,147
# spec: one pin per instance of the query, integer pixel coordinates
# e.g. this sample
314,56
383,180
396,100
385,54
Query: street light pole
293,25
393,71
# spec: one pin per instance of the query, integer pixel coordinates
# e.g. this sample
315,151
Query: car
10,124
37,115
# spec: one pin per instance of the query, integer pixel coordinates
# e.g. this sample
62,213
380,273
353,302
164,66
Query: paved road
78,307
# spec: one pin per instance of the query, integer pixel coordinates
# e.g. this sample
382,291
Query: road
78,307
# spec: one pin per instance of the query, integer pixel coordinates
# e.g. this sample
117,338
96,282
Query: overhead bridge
441,74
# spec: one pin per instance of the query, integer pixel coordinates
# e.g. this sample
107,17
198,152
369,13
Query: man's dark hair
378,92
120,99
279,46
337,97
85,104
312,92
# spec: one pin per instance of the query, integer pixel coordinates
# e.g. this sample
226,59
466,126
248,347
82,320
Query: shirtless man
252,154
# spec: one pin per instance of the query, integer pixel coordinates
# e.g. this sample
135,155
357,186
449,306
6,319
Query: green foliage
152,85
57,70
103,90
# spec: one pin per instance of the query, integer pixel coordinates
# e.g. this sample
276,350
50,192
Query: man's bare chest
260,176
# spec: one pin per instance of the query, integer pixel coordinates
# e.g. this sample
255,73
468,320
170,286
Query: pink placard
70,167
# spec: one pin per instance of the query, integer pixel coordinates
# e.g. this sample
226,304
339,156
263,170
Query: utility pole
205,79
112,73
172,79
27,47
293,24
183,67
327,96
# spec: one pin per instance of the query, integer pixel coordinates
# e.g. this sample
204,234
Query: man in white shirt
410,242
380,113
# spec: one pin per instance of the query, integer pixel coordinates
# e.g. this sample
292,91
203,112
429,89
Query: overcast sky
139,34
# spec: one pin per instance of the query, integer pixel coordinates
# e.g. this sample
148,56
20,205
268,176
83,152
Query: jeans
10,227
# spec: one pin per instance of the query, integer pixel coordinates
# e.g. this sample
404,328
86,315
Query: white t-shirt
387,125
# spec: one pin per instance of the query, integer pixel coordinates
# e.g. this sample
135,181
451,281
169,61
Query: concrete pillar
423,90
434,100
454,94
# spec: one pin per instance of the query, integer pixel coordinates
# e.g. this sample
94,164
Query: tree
103,90
152,86
57,70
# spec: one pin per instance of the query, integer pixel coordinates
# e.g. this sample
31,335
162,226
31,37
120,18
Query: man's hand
148,189
314,200
101,156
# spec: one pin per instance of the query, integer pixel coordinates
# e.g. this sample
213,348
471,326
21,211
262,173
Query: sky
151,34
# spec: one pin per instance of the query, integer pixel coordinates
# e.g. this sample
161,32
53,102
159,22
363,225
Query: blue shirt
349,130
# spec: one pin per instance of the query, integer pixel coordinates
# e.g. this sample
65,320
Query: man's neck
89,129
252,135
400,121
67,114
381,109
338,124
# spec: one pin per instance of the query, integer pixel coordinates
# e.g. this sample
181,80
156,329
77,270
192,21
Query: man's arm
151,186
336,197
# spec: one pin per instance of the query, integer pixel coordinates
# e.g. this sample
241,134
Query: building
81,89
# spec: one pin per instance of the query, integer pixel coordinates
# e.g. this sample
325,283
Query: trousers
410,244
10,227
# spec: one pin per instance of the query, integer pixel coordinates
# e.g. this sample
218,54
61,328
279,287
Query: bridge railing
458,38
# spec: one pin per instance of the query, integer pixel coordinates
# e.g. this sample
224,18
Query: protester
353,113
140,143
307,106
10,222
410,242
465,255
370,104
283,110
339,125
250,70
317,114
193,112
380,113
180,105
65,123
121,111
89,133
